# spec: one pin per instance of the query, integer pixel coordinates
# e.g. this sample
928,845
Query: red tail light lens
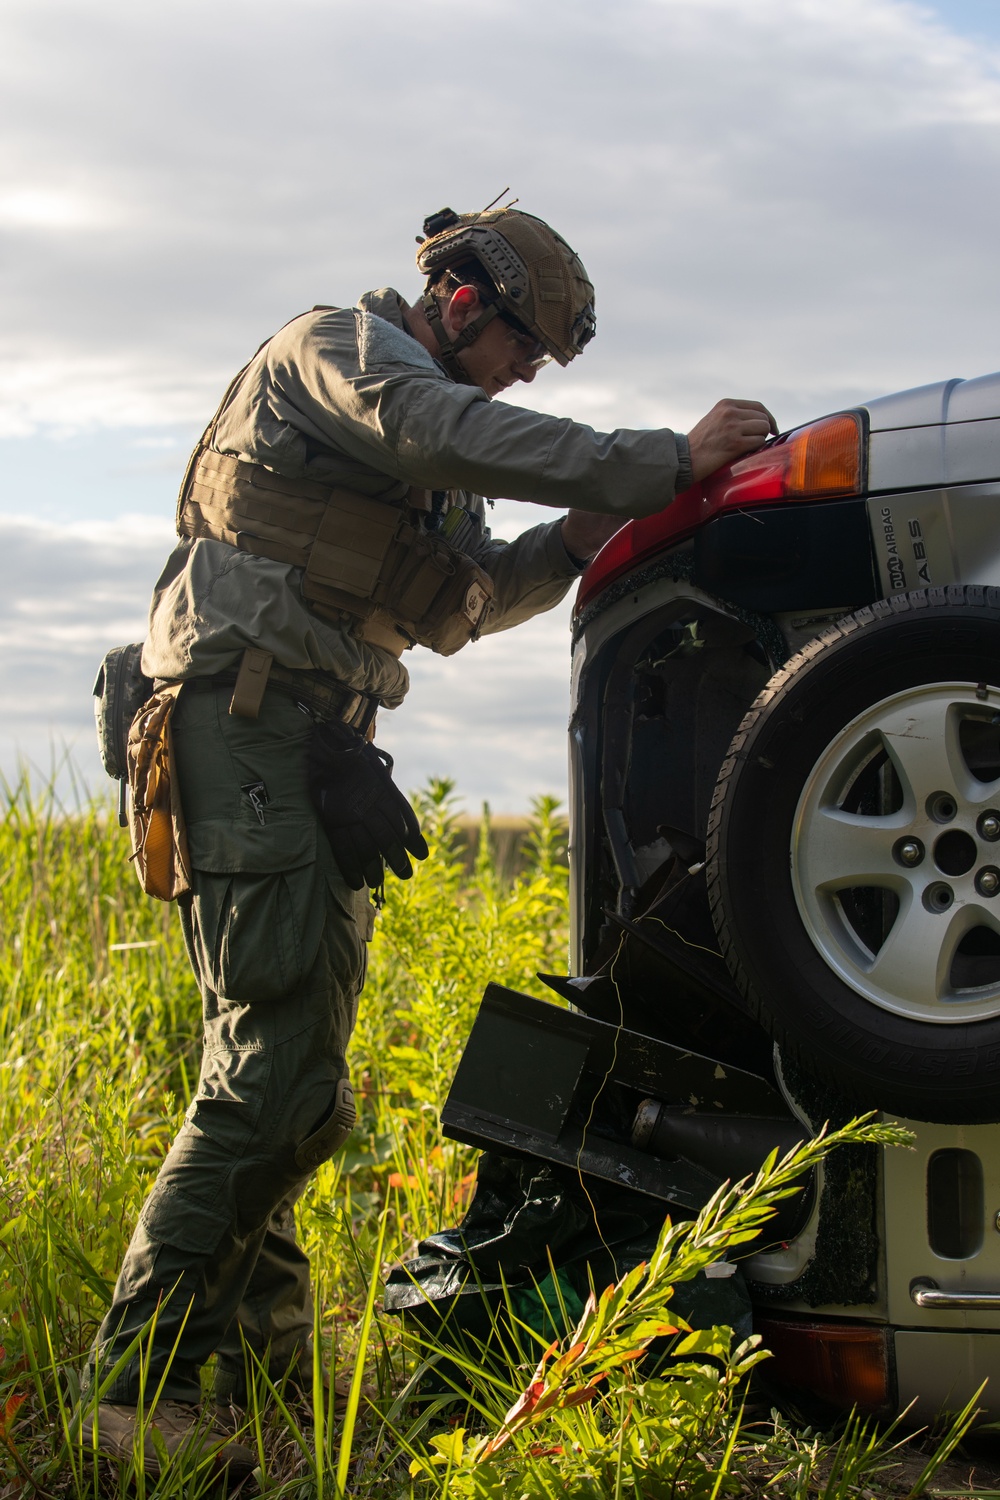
819,462
845,1364
637,541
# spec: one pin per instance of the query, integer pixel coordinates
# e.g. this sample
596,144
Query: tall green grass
99,1022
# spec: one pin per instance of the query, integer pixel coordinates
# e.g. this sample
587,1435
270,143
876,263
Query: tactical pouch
156,822
455,591
434,595
353,538
120,691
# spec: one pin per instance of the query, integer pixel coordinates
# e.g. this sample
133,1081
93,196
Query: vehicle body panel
944,401
929,538
939,1372
928,457
909,1253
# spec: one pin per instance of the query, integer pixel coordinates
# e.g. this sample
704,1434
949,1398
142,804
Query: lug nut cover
938,897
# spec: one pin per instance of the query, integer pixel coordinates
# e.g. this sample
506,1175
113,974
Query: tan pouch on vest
156,822
440,589
432,594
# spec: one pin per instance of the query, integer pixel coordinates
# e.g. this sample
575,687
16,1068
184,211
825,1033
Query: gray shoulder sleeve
381,343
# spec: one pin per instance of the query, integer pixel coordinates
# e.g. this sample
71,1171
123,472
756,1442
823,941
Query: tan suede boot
184,1430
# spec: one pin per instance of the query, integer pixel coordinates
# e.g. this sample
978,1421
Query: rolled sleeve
685,473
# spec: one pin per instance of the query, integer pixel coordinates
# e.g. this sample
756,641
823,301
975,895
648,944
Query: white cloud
32,206
493,718
791,198
59,392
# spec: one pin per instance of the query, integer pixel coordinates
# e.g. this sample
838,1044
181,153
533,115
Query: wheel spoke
914,962
981,913
985,793
922,742
842,849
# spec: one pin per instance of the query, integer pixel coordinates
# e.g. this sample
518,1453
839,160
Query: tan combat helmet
541,284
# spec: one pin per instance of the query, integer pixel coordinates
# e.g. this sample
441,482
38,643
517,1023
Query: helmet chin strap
448,349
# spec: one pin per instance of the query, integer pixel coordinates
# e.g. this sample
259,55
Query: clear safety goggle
531,351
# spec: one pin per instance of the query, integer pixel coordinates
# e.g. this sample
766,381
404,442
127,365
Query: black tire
837,979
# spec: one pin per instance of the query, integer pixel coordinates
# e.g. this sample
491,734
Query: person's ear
464,305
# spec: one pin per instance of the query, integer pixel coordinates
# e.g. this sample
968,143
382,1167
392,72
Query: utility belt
364,560
319,692
135,733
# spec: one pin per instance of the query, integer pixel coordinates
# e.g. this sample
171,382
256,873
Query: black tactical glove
366,817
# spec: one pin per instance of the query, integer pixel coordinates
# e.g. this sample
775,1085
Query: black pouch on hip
120,691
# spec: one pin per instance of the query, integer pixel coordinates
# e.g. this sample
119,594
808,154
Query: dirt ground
973,1471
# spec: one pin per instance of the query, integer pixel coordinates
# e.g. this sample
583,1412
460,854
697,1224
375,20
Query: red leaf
10,1412
527,1401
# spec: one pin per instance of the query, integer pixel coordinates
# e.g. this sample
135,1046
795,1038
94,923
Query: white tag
475,602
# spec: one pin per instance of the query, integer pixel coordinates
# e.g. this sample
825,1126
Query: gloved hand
366,817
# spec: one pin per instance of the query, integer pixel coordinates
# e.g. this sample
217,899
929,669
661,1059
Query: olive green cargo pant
277,944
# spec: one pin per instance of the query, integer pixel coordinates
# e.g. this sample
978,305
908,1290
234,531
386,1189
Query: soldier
331,518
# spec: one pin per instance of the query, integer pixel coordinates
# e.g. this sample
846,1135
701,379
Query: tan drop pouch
156,822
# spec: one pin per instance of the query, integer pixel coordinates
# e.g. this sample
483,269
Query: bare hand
585,533
731,429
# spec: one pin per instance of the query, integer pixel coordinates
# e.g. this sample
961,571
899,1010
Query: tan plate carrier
367,559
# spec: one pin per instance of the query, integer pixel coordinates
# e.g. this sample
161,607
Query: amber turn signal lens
825,458
844,1364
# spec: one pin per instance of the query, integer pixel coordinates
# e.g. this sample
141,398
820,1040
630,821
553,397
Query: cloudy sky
794,200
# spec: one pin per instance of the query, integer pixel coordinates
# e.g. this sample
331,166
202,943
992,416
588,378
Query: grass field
99,1022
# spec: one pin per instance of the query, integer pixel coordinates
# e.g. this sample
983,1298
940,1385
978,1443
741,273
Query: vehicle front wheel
854,856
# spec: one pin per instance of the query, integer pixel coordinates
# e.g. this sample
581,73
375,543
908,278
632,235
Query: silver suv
785,851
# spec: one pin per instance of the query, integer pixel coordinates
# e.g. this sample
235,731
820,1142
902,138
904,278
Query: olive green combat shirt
348,396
